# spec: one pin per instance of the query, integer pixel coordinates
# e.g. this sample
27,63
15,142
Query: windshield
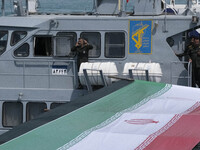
184,2
61,6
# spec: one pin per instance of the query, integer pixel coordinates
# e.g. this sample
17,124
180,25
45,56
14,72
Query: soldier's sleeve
188,51
89,47
73,48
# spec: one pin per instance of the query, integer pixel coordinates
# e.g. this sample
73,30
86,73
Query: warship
38,72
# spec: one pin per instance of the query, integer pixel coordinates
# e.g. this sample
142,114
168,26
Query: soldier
81,49
193,52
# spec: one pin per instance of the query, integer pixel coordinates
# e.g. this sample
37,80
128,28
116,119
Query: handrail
146,73
189,74
88,84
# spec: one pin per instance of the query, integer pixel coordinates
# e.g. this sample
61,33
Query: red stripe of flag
184,134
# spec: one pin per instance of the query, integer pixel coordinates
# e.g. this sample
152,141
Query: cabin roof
23,21
32,21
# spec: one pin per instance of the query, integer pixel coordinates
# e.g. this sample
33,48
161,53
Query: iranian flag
141,115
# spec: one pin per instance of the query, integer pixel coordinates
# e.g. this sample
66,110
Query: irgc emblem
140,37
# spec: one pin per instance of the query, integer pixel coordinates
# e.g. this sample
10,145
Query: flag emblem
141,121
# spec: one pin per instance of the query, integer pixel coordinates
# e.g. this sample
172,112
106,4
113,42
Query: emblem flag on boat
140,38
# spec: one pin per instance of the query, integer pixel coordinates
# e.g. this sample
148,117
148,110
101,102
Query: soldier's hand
86,43
77,44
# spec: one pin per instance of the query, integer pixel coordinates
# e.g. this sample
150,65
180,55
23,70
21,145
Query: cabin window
115,45
17,36
54,105
34,109
12,114
22,51
93,38
43,46
3,41
64,42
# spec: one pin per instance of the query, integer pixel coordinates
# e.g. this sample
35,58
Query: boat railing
88,84
187,75
24,64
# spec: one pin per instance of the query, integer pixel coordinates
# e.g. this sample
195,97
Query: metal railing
145,70
87,80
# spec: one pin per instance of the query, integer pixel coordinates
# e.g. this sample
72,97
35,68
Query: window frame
28,112
19,48
43,36
12,44
63,34
3,115
93,45
6,41
124,42
56,104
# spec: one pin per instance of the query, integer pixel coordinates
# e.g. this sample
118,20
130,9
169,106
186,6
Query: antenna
19,8
165,19
95,5
121,7
3,8
27,7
